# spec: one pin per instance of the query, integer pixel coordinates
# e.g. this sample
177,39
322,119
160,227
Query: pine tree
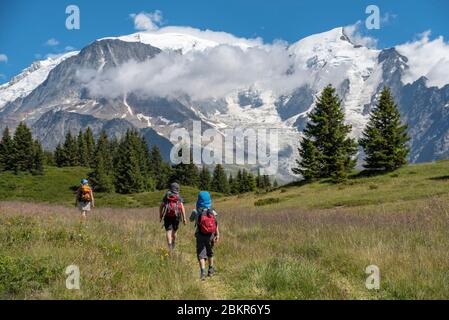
90,146
251,182
59,156
275,184
23,149
83,154
158,168
102,173
266,182
308,165
6,151
128,178
204,179
326,146
49,158
233,185
69,151
219,180
239,182
385,138
38,159
144,161
186,173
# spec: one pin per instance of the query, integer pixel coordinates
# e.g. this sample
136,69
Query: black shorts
204,246
171,223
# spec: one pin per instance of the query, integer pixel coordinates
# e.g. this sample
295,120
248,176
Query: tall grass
277,254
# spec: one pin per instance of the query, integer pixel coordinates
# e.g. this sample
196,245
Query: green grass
58,186
313,242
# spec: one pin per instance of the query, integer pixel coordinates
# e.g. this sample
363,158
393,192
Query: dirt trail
213,287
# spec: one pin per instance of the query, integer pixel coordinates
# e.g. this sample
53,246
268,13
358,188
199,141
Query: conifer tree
83,154
233,185
90,146
219,180
38,159
204,179
385,138
326,149
23,149
102,173
186,173
59,156
6,151
160,171
128,178
69,151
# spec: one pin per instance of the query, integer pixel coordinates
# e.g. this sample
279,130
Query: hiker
172,211
206,232
84,198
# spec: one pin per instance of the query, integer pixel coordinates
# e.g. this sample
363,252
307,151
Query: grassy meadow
309,241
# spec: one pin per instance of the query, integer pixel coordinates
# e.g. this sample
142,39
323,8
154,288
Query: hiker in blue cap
84,198
206,232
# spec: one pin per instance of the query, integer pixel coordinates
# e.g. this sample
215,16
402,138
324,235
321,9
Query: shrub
266,201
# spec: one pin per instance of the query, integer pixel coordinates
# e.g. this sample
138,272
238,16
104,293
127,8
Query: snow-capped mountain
103,86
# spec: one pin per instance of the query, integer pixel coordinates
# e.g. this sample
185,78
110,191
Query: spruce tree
251,182
102,173
186,173
59,156
83,155
6,151
239,182
38,159
128,178
90,146
233,185
385,138
23,149
308,165
204,179
326,148
158,168
69,151
275,184
219,180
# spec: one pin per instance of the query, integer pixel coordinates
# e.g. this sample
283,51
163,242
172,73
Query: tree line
327,150
20,153
128,166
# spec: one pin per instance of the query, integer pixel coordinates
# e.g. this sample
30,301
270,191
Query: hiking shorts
84,206
204,246
171,223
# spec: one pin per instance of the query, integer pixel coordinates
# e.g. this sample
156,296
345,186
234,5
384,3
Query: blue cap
84,181
204,200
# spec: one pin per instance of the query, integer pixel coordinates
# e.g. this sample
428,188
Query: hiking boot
203,276
210,272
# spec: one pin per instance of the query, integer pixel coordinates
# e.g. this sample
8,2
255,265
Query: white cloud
147,21
51,42
213,73
354,33
429,58
3,57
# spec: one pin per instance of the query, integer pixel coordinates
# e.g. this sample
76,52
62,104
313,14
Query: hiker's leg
202,264
84,214
169,238
173,238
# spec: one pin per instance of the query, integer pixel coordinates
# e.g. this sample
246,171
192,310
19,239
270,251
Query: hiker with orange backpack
206,233
84,198
172,211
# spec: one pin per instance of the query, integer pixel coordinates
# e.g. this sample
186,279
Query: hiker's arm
183,212
161,207
217,235
92,197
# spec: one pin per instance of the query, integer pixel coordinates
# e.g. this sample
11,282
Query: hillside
58,186
301,242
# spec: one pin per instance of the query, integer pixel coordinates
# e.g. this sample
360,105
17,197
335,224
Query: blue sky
27,26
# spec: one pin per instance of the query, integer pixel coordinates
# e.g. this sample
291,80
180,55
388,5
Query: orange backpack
85,193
